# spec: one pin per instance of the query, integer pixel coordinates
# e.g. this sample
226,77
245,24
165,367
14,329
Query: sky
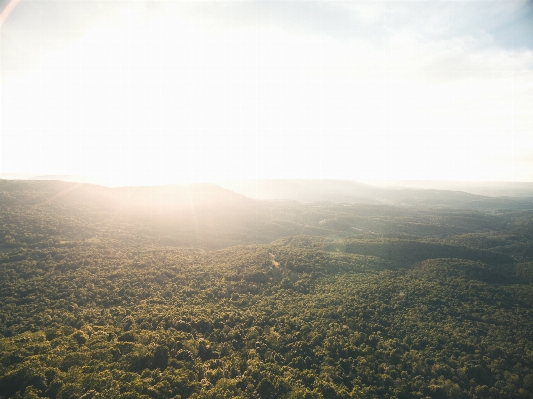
157,92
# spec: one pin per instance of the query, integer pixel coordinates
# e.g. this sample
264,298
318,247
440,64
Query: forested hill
167,198
204,215
198,292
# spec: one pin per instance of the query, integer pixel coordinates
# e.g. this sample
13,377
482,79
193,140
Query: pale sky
152,92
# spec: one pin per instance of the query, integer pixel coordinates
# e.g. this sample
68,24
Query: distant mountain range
490,189
464,195
345,191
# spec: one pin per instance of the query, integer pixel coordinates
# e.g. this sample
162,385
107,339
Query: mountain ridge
245,193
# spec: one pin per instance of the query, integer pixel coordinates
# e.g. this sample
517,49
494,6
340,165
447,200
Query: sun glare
172,94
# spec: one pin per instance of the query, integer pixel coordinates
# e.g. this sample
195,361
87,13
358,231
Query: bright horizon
148,92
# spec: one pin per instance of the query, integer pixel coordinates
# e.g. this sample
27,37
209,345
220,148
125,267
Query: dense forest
198,292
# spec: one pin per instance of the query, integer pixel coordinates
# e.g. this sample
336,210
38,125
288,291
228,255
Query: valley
196,291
